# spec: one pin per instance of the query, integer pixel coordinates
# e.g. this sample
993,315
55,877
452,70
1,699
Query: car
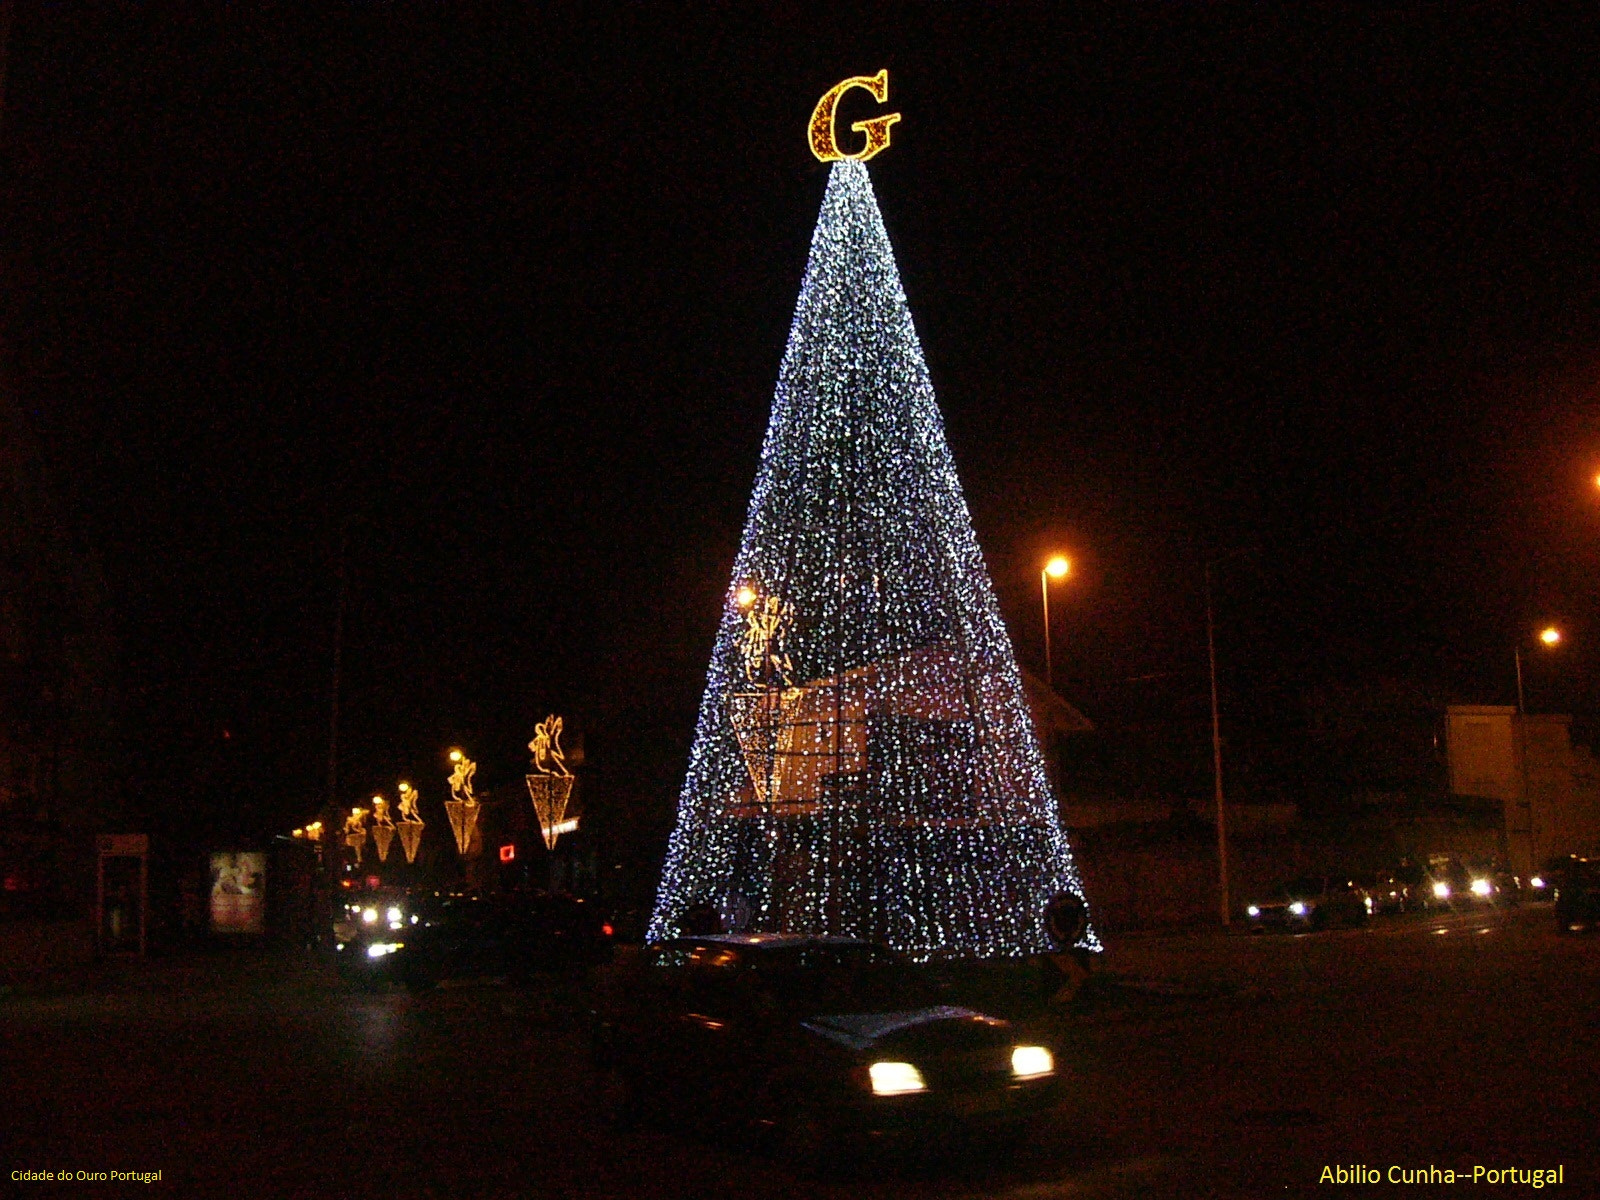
1544,883
826,1043
427,939
1447,885
507,935
1311,902
1578,896
1491,883
1391,891
367,927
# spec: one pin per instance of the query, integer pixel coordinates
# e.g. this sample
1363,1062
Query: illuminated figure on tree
864,763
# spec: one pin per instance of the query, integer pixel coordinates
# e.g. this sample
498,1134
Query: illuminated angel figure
548,758
380,812
356,822
762,642
461,779
408,804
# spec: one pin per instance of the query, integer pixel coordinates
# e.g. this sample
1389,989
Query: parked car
1311,902
1578,896
822,1041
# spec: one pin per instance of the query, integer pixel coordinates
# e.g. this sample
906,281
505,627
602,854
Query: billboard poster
238,892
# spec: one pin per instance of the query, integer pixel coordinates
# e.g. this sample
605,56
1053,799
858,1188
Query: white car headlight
379,949
395,916
1030,1062
1298,908
1253,911
895,1079
1536,881
1482,887
1441,891
369,916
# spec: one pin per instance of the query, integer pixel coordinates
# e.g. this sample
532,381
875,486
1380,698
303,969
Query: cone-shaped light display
864,762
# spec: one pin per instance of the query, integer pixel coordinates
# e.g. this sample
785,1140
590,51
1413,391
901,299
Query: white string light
875,773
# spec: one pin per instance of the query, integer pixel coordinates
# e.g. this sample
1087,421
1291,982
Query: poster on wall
238,892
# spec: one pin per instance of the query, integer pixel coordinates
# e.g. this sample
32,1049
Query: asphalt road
1216,1066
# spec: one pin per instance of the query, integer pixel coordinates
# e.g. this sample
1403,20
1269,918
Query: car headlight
1441,891
1481,887
1030,1062
1536,882
1298,908
895,1079
1253,911
379,949
369,916
395,916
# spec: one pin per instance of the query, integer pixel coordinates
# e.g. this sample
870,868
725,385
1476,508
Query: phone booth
122,892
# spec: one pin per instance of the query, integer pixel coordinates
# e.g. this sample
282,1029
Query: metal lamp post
1056,568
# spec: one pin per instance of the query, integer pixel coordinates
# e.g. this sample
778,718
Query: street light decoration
355,831
411,824
462,807
1550,636
382,827
550,784
864,762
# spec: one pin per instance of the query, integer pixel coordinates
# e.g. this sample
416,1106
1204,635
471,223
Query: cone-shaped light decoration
864,762
410,822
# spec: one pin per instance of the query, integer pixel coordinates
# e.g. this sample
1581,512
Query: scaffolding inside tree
864,762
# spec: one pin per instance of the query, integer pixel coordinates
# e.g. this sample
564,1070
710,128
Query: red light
13,883
507,853
346,883
373,881
606,929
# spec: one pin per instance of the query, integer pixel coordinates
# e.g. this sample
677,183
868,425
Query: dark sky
506,298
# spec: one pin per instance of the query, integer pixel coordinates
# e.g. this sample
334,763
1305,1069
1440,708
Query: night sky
503,301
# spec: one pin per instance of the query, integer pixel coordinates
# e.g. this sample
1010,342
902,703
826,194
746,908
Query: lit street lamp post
1550,638
1056,568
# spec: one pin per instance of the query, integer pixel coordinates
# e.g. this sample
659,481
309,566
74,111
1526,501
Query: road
1218,1066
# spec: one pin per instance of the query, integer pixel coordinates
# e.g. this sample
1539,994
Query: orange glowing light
1057,567
1550,636
824,143
745,596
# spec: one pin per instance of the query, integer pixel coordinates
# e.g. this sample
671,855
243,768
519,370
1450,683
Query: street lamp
1056,568
1550,638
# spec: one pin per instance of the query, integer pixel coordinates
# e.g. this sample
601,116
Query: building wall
1549,791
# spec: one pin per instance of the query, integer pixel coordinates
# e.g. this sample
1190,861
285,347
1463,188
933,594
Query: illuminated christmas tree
864,763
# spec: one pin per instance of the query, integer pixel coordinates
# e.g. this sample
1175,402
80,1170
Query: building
1548,789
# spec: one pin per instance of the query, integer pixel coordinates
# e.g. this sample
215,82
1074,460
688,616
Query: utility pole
338,662
1216,757
1216,738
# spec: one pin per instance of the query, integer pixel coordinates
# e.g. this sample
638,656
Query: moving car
824,1041
1311,902
1391,892
367,927
461,936
1578,896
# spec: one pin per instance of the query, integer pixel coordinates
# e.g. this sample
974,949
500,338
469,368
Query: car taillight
606,929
